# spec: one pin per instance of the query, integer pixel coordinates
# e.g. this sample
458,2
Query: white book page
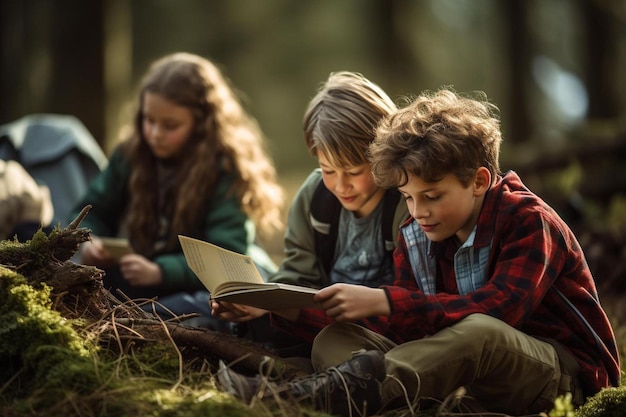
214,265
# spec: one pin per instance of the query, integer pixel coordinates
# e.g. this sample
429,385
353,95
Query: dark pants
258,330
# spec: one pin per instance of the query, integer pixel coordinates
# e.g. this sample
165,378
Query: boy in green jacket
341,227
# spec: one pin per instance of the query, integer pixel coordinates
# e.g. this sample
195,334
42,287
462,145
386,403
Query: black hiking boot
351,388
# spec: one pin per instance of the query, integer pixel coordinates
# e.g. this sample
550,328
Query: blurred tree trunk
60,46
78,63
394,53
514,12
601,62
117,68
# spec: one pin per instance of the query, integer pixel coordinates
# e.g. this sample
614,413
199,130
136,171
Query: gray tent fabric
58,151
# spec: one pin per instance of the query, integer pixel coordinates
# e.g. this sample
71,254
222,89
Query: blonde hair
224,138
340,120
437,134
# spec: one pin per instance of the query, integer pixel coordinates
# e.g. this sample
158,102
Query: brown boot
351,388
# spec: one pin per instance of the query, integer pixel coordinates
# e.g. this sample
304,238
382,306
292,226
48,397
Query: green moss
60,368
28,257
159,360
199,402
29,322
610,402
42,354
49,369
563,406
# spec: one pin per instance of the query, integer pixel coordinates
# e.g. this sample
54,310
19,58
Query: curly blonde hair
224,138
437,134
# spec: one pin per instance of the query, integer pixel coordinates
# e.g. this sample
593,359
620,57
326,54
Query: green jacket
224,223
300,265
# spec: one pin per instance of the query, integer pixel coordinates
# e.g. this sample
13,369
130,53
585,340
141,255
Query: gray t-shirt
360,256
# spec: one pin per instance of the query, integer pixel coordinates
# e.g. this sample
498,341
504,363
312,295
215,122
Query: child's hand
93,253
347,302
235,312
139,271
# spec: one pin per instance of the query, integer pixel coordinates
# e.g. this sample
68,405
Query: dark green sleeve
107,195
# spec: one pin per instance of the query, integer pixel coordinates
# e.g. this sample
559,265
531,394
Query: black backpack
325,209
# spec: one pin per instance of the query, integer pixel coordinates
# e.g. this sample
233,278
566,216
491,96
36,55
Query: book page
116,246
214,265
233,277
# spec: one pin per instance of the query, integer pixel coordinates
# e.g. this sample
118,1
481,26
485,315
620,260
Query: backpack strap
390,203
325,212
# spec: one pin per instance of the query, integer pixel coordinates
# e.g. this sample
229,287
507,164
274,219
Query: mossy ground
54,366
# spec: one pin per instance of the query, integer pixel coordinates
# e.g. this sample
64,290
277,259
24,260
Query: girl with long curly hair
195,165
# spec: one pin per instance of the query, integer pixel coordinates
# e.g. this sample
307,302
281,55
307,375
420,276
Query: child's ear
482,181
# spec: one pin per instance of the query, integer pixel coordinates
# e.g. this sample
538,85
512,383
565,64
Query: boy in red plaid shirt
492,291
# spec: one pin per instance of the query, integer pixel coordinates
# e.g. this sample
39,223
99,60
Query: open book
232,277
116,246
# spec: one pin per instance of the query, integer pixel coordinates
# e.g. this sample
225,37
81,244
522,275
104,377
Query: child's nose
155,132
417,211
342,183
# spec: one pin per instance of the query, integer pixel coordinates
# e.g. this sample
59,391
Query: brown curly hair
438,133
225,137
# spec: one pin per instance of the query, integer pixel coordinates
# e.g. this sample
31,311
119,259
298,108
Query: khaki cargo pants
503,369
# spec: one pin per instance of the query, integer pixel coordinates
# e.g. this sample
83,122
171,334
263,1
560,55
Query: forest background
555,68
